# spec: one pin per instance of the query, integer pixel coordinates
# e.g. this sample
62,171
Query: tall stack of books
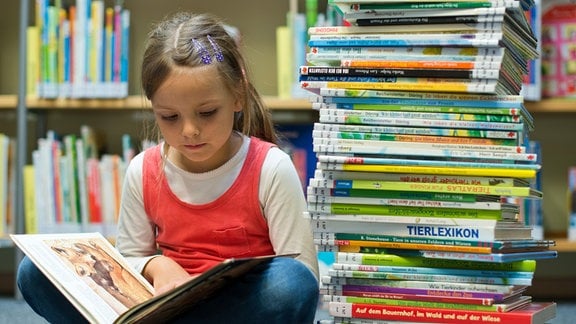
422,155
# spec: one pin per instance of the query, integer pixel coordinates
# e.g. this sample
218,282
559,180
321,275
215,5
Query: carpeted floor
17,311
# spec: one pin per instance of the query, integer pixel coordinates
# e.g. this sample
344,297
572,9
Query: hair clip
217,50
204,54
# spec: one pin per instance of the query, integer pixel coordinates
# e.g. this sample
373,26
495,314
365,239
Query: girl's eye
207,113
169,117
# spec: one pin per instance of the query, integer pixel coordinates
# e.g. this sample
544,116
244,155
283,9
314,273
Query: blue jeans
284,291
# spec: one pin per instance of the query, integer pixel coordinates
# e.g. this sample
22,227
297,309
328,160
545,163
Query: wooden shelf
131,102
559,105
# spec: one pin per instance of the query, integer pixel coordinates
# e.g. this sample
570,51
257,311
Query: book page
89,271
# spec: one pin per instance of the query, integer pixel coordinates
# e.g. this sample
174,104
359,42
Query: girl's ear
238,104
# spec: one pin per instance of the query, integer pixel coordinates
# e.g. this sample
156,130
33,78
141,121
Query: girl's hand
165,274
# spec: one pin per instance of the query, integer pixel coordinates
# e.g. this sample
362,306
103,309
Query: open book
93,275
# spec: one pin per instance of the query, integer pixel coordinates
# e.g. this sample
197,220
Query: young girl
216,187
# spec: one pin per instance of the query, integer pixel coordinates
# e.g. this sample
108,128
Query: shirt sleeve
136,234
284,204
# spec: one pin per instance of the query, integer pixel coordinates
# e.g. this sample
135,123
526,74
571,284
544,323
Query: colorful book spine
523,315
442,305
406,162
414,130
429,277
327,199
432,231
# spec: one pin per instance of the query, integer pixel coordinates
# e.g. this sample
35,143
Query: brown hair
185,39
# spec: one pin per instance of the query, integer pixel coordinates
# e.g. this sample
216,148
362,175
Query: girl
216,187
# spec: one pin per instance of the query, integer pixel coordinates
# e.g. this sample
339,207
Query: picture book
73,261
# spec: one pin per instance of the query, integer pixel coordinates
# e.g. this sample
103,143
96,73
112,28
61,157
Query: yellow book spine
33,60
284,62
356,246
31,225
514,173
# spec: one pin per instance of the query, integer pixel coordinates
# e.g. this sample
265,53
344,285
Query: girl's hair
191,40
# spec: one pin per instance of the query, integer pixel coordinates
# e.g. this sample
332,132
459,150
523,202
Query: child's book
98,281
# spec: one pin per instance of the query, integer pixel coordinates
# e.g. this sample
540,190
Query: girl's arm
282,196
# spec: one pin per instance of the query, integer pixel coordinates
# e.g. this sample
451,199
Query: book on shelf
493,246
330,71
431,231
83,50
456,255
389,275
422,178
425,187
534,312
420,98
129,298
430,285
500,307
491,168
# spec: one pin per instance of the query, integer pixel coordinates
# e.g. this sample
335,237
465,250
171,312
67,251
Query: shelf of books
424,195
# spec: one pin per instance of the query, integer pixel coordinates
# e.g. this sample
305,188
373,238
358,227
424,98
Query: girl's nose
190,128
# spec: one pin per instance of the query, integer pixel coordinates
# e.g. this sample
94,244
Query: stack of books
422,160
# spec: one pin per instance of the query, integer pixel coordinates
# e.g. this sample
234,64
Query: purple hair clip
217,50
203,51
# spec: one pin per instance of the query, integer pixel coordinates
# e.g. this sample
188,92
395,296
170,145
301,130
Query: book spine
414,297
332,146
428,163
401,72
426,170
423,85
359,209
342,95
360,246
391,194
431,41
477,21
435,271
433,15
391,260
420,178
472,233
391,140
427,131
410,303
326,199
433,315
414,284
410,138
343,116
511,114
430,277
476,53
345,289
427,187
124,52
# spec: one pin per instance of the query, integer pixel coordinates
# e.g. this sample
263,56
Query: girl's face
195,113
